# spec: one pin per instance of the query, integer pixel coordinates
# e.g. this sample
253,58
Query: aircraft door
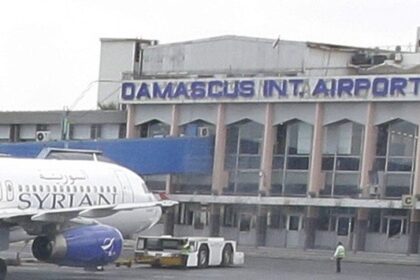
127,191
9,190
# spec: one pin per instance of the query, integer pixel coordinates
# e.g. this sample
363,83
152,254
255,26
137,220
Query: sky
49,49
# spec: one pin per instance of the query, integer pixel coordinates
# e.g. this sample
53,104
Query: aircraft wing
64,215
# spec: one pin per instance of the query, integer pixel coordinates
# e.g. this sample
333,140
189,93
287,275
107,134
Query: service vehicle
199,252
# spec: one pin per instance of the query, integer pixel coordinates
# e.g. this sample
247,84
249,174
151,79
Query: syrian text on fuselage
64,200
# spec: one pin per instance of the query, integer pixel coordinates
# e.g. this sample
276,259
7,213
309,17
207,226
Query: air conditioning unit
41,136
203,131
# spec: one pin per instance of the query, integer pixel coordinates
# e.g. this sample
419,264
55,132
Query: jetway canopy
172,155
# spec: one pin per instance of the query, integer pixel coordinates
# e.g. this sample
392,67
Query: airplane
75,211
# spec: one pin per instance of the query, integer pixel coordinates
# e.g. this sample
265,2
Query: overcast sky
49,49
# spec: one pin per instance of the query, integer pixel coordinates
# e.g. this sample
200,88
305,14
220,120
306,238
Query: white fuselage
38,184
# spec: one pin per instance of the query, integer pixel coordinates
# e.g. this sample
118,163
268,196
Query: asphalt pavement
325,255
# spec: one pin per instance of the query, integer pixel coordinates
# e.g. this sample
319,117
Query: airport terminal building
311,143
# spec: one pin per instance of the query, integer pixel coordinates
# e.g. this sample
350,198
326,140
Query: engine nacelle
86,246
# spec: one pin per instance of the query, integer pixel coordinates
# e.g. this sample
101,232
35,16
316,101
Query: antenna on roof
276,42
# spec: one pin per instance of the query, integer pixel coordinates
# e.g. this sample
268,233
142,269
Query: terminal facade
312,143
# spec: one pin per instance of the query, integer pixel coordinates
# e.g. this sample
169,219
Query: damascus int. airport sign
356,88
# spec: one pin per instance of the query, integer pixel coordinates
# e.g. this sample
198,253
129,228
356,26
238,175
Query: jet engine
86,246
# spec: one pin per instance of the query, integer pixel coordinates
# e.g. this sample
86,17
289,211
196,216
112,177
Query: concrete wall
376,242
116,57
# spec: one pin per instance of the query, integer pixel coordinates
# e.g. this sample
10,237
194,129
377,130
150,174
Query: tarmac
326,255
265,252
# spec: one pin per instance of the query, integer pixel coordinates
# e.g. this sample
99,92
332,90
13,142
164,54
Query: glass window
400,164
153,128
402,138
343,138
280,145
229,216
245,223
327,190
382,140
296,183
397,185
343,225
297,163
294,223
278,162
250,138
299,138
346,184
247,182
232,139
347,163
277,182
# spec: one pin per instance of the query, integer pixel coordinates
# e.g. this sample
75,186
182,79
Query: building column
173,132
219,177
169,219
369,150
315,174
214,223
267,152
413,237
314,178
360,229
367,162
413,240
131,121
261,225
311,220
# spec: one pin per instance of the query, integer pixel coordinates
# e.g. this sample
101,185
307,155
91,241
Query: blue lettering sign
380,87
247,88
398,85
296,83
361,84
416,82
198,90
345,86
128,91
320,88
143,91
215,89
158,92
